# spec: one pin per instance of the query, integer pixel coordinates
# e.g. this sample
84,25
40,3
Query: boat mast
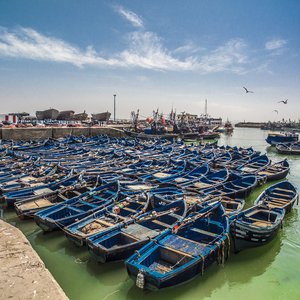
114,107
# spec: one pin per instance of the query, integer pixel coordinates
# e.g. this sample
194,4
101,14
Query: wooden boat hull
187,274
274,139
108,218
280,195
255,226
63,214
276,171
245,237
179,255
119,244
101,117
288,148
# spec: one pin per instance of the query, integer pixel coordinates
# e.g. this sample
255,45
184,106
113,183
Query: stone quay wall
32,133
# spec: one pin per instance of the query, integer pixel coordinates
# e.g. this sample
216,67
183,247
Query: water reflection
108,274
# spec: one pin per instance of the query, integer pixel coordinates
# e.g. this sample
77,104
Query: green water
268,272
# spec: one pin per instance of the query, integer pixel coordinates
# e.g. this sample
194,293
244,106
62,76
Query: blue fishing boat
183,252
162,194
275,138
255,226
288,148
168,173
280,195
66,213
108,217
43,176
211,179
276,171
27,208
232,206
121,242
188,176
238,188
40,189
254,165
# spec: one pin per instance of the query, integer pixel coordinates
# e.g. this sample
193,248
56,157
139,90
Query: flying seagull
284,101
247,91
275,110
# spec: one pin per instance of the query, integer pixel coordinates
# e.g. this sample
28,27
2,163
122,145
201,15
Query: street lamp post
115,107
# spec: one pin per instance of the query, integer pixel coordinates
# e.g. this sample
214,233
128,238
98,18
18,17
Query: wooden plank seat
260,223
36,184
181,179
128,209
161,223
178,251
202,185
42,191
35,204
204,232
274,205
117,216
183,245
161,175
138,187
104,222
266,172
281,195
282,190
280,199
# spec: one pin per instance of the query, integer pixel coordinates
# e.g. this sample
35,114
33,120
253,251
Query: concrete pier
23,275
33,133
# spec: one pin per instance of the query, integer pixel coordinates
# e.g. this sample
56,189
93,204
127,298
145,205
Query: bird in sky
275,110
284,101
247,91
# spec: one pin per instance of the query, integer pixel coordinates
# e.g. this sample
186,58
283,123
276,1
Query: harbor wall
249,124
56,132
23,275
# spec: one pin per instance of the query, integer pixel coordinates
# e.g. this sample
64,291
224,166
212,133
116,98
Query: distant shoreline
250,124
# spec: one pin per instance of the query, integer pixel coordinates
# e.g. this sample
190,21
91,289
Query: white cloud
144,50
189,47
229,57
130,16
275,44
28,43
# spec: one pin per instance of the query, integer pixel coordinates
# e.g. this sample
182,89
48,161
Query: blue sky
77,54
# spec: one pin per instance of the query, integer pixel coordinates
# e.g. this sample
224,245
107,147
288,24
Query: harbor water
268,272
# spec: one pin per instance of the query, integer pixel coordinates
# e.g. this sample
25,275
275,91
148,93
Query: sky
167,54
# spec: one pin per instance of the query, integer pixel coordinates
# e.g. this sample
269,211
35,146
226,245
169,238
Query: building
13,118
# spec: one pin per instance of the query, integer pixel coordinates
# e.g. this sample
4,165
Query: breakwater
249,124
56,132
